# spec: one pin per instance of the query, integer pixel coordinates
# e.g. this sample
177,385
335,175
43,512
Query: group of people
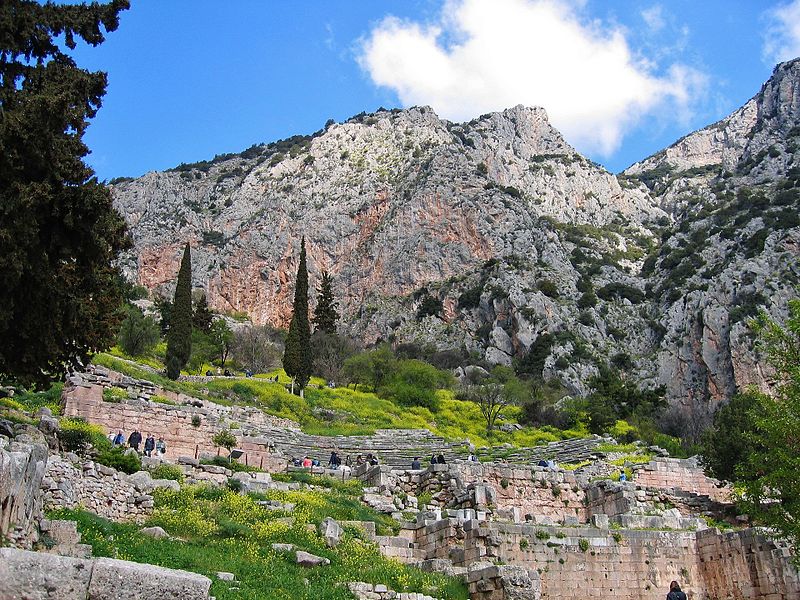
135,439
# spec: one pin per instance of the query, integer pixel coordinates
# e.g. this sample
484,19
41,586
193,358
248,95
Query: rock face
486,235
22,467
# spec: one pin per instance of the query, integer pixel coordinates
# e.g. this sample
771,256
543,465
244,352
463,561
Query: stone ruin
511,531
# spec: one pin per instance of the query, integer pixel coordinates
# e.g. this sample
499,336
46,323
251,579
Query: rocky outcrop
22,467
485,236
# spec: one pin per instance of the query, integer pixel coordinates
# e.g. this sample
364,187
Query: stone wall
680,474
35,576
95,487
746,564
187,430
574,563
22,466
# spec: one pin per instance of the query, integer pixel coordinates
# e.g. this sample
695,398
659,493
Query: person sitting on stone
359,460
333,461
542,463
433,459
149,445
415,464
440,459
161,446
307,462
135,439
623,476
119,439
675,592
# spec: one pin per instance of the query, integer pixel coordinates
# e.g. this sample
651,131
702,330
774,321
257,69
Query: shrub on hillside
76,435
116,458
165,471
138,333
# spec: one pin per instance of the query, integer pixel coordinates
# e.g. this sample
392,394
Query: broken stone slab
169,484
40,576
331,531
141,480
282,547
121,580
306,559
225,576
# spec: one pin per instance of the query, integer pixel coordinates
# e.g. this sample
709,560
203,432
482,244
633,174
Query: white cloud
782,34
487,55
654,17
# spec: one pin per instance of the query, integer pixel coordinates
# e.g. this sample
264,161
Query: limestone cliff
510,229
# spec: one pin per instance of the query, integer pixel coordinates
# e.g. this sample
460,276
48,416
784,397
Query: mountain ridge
504,225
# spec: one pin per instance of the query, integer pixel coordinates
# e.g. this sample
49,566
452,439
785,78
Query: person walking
135,439
675,592
161,447
149,444
415,464
119,439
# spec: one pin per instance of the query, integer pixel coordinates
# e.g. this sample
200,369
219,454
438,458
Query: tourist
334,461
622,476
135,439
473,458
209,373
433,459
149,445
359,460
119,439
542,463
161,447
307,462
415,464
675,592
315,462
440,459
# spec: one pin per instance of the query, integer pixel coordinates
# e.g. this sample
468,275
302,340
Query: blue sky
189,79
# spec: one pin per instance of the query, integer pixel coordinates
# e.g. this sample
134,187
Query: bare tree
256,348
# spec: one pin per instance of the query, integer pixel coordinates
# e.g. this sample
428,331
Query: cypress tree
325,314
297,360
179,335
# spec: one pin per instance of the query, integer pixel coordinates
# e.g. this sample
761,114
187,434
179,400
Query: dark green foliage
164,308
325,314
202,317
548,288
729,443
429,307
471,298
771,493
179,335
586,318
745,306
297,358
224,439
532,363
138,333
587,300
619,291
116,458
59,233
615,398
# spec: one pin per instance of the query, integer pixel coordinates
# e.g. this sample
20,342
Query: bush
165,471
76,435
116,458
138,334
114,395
548,288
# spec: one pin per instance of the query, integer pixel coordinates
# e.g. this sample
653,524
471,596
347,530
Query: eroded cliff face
513,231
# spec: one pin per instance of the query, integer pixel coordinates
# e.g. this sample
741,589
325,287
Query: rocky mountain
496,237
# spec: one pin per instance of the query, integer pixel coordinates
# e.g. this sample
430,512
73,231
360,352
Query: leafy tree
179,335
202,317
257,348
59,233
325,315
494,393
138,333
615,398
330,351
372,368
221,338
164,308
414,383
771,487
729,442
224,439
297,360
